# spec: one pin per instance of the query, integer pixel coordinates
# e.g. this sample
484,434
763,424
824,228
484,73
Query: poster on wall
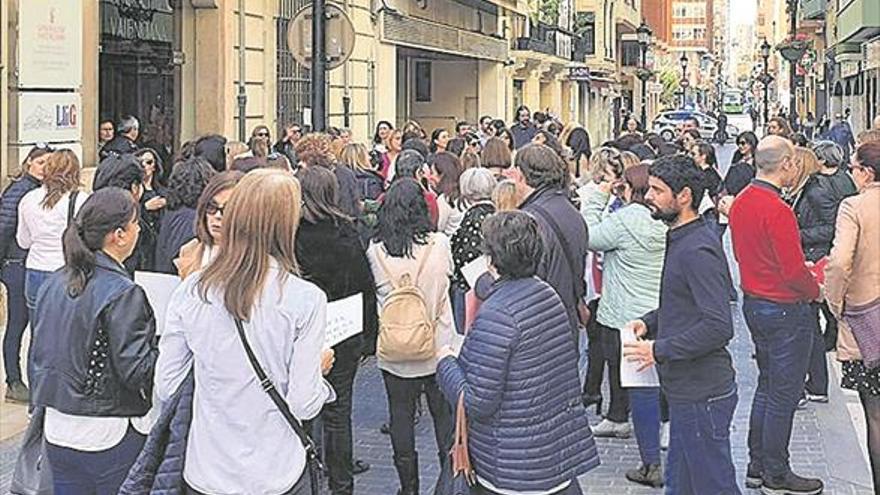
49,117
50,44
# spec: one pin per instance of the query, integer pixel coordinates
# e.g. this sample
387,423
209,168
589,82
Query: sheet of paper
473,270
159,287
345,318
629,376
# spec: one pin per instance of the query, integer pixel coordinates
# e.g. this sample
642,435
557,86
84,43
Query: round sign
338,36
685,83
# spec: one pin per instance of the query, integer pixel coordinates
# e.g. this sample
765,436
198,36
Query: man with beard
687,335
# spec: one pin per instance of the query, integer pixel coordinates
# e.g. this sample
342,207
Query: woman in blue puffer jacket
527,427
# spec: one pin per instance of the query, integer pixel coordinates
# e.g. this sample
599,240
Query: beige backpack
406,328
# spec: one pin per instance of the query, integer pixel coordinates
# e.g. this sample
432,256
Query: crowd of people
617,246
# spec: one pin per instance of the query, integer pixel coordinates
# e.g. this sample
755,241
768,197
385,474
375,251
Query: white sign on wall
50,44
49,117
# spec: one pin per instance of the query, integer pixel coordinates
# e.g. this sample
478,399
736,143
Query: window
585,28
699,33
423,81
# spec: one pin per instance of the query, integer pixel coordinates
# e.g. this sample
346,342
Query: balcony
626,16
858,21
539,40
813,9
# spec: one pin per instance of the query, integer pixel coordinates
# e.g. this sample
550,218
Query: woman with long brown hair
239,442
43,214
197,253
12,271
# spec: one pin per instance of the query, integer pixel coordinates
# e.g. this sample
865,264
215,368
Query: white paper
159,287
475,269
629,374
345,318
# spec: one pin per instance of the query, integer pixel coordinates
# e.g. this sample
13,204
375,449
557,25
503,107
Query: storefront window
139,68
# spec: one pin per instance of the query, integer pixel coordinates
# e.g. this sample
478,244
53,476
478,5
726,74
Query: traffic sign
339,39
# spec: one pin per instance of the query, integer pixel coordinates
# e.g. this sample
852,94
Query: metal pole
792,69
319,68
766,92
242,93
644,84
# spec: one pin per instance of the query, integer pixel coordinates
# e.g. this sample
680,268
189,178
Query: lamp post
766,79
683,61
792,52
644,36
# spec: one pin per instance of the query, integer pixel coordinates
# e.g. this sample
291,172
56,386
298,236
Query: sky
743,11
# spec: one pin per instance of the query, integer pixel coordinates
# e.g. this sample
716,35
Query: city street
827,440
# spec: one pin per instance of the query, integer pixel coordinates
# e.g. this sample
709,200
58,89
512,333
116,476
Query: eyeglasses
213,208
262,134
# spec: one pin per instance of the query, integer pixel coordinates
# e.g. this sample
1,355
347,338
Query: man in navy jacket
689,333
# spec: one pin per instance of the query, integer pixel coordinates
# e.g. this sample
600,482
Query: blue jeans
783,335
12,276
76,472
457,298
645,405
699,460
32,282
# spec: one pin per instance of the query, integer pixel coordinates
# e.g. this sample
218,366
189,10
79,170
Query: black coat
94,354
816,211
738,177
176,228
120,145
9,200
332,257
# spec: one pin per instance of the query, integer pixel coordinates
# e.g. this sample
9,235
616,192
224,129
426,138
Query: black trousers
402,396
618,411
336,418
595,356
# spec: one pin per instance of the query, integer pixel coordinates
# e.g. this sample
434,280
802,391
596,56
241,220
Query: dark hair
519,110
750,138
449,167
692,133
669,149
868,156
103,212
579,142
540,117
781,122
159,173
408,163
552,142
499,125
245,164
513,242
187,181
679,172
219,183
459,125
643,151
320,195
511,143
403,218
35,152
122,171
655,141
541,167
707,150
485,117
496,154
799,139
637,178
212,148
416,144
693,120
376,138
435,135
456,146
627,141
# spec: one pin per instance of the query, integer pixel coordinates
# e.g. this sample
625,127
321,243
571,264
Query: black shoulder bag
71,207
313,461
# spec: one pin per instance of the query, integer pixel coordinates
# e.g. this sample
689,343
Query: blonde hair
259,225
233,150
505,196
629,160
355,156
61,175
807,165
871,136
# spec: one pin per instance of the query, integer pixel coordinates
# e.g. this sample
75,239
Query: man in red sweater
777,288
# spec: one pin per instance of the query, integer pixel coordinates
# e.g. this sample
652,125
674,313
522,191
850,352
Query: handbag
33,475
864,321
457,475
313,460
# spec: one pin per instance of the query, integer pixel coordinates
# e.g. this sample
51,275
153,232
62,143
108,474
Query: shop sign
50,44
579,73
49,117
849,68
138,20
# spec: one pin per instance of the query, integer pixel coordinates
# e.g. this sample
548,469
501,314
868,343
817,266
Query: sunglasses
43,146
213,208
741,143
262,134
149,162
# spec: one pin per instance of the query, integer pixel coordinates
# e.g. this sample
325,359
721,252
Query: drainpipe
242,94
346,91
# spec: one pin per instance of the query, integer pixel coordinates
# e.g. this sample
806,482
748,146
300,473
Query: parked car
666,122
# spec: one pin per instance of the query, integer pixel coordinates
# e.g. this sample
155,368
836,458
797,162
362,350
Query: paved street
826,442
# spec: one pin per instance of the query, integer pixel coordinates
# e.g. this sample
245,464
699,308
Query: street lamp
766,79
683,61
644,36
792,51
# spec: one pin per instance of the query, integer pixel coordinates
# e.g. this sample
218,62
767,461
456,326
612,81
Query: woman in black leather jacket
94,350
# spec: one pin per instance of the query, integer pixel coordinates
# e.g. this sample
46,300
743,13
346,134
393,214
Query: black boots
408,472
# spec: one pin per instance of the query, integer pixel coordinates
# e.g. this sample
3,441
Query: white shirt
239,442
40,230
92,433
434,284
449,218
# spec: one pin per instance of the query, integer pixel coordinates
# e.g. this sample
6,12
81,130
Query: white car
666,123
